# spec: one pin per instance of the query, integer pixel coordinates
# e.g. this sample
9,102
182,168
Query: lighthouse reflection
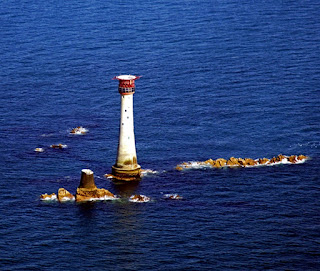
125,189
128,226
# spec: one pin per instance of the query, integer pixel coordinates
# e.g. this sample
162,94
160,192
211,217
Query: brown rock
242,162
65,195
175,196
250,162
233,162
58,146
280,157
301,157
179,168
273,160
84,194
220,163
45,196
87,180
210,162
263,161
139,198
292,159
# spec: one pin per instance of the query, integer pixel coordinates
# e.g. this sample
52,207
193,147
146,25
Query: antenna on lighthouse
126,167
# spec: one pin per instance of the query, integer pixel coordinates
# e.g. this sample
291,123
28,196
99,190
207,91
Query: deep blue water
220,79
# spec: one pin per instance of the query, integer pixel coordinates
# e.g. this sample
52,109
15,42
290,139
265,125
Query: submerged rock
65,195
79,131
58,146
173,196
39,150
179,168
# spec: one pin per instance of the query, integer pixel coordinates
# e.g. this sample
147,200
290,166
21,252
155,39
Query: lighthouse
126,167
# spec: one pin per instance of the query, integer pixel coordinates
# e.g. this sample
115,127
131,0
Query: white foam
39,149
194,165
67,199
49,197
79,131
104,198
145,172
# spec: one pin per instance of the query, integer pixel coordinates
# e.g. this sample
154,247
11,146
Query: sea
219,79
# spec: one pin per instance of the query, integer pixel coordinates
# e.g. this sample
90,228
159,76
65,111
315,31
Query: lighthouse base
122,174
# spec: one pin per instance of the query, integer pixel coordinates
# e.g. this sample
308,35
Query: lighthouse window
127,117
122,123
125,110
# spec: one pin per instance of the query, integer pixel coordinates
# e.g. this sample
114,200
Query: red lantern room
126,84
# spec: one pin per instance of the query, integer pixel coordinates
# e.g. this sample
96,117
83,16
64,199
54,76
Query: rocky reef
87,191
233,162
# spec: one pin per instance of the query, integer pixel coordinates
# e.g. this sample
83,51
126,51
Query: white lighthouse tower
126,167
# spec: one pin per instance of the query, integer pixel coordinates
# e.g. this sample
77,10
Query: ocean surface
219,79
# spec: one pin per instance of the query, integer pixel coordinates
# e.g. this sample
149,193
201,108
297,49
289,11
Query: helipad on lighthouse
126,167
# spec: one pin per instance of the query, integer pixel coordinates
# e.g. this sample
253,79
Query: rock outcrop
84,194
240,162
65,195
139,198
87,190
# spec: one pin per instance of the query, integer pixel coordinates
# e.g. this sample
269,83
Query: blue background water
220,79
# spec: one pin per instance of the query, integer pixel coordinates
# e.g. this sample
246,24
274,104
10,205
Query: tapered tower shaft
126,166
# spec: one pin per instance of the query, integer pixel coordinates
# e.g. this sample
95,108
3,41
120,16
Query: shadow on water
125,189
86,209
